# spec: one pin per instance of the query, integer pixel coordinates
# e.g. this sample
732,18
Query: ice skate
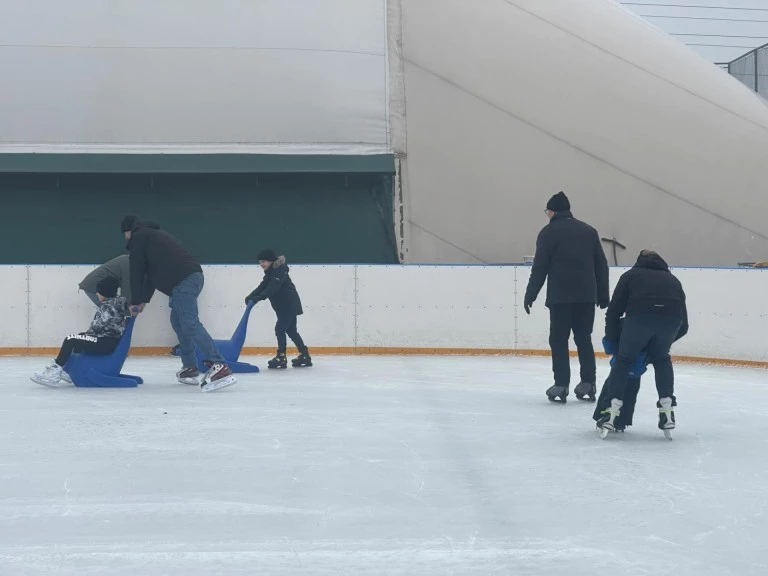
190,375
666,416
50,376
278,362
586,391
66,377
218,376
606,422
303,359
558,394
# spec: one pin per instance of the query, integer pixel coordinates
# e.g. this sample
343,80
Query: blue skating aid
231,349
90,371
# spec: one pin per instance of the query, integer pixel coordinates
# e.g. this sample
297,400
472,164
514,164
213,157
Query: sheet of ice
368,465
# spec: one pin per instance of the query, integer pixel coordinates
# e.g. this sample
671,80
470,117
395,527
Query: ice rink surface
368,465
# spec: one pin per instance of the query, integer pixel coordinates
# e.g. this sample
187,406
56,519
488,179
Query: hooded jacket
278,287
570,258
646,288
158,261
117,268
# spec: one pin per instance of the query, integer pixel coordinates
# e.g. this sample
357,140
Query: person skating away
570,258
279,289
101,338
159,261
652,301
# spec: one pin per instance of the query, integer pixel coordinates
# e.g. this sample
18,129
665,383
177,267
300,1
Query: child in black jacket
278,287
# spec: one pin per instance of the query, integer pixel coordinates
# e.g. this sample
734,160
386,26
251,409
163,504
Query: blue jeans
186,322
92,297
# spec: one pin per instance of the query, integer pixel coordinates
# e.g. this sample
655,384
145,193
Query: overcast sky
716,25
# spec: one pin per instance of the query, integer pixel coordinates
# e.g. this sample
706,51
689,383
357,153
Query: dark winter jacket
569,256
158,261
647,288
111,318
278,287
117,268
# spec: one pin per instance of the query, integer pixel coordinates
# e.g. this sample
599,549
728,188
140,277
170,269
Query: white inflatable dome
488,108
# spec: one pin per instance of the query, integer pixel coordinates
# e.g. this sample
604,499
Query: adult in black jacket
278,288
570,258
652,302
159,261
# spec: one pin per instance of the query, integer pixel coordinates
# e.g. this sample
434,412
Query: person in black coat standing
570,258
278,287
159,261
652,302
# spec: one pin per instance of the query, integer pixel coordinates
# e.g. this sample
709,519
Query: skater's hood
649,259
279,262
145,224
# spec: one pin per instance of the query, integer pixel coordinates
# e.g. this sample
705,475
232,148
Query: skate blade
44,383
277,367
603,432
668,434
218,384
586,398
302,365
190,381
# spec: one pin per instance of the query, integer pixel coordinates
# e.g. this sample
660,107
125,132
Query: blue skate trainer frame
91,371
231,349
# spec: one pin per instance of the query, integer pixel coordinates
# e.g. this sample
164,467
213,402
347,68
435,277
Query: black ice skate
558,394
278,362
190,375
606,422
302,360
666,416
586,391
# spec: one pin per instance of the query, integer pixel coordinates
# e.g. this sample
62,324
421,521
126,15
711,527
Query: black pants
77,343
630,399
655,335
579,319
286,325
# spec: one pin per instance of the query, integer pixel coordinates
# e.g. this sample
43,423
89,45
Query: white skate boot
50,376
666,416
605,424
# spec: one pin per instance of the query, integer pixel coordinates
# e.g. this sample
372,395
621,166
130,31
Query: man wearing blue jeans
159,261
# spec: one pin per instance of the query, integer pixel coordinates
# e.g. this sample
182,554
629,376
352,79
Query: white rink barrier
384,309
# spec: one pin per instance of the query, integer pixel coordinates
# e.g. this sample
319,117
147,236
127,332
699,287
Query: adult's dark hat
559,203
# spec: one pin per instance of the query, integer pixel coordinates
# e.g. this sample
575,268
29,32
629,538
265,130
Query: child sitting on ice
101,338
278,287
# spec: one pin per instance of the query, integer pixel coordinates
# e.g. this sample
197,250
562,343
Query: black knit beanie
268,255
107,287
559,203
128,222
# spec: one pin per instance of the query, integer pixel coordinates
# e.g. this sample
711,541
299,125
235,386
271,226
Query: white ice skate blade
603,432
190,381
668,434
221,383
46,383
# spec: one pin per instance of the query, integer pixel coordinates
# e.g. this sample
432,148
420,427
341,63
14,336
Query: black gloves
527,305
252,297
